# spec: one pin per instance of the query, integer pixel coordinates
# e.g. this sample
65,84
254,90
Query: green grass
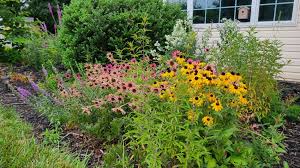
293,113
18,149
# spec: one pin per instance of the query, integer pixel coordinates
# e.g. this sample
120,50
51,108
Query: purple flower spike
55,28
24,94
35,87
44,27
59,15
50,9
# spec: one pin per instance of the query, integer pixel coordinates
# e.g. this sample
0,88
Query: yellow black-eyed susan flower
197,101
208,121
217,106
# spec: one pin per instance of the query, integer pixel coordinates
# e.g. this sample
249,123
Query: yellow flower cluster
205,89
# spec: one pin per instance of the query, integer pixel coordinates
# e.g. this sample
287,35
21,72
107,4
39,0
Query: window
275,10
213,11
247,11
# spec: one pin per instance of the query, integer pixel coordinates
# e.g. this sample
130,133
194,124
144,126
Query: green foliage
183,38
293,112
19,149
52,137
13,28
91,28
252,58
39,10
40,48
159,138
116,157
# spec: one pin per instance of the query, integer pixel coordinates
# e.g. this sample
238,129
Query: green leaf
211,162
285,164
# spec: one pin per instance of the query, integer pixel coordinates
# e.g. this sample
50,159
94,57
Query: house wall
289,35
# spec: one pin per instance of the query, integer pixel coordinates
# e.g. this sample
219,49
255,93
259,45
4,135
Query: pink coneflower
86,110
176,53
133,90
190,61
119,110
146,58
130,85
212,68
132,106
68,75
153,65
153,75
78,76
98,103
145,78
172,64
206,49
133,60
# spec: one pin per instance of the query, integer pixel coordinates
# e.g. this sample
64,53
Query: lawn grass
18,149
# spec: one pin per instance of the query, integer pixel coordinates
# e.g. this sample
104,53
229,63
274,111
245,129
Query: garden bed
83,145
79,143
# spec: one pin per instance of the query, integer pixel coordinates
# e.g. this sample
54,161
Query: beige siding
289,36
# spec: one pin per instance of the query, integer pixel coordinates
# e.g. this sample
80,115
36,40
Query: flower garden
128,83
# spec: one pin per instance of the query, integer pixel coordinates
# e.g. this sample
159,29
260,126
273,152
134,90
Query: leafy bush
198,119
253,59
91,28
40,10
14,30
98,99
40,49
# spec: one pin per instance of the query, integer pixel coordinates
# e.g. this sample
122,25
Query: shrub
14,30
40,10
91,28
40,49
99,99
199,119
252,58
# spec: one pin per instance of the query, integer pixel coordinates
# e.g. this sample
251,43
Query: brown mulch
291,129
292,143
77,142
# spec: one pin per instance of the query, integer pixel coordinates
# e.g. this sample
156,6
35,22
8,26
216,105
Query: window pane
212,16
213,3
279,1
227,13
267,1
199,16
199,4
284,12
266,13
228,3
244,2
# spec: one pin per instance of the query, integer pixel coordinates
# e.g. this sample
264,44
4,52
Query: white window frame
254,17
